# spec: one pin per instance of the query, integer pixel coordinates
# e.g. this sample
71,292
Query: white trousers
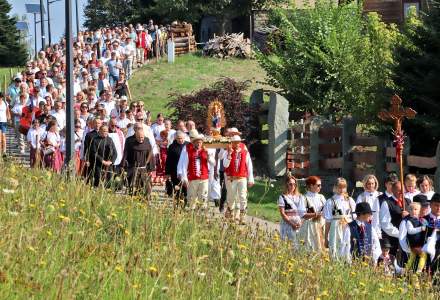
140,55
236,195
198,191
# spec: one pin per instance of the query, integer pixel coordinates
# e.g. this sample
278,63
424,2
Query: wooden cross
398,113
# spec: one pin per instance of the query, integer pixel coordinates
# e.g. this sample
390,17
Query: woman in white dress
312,230
291,206
370,195
426,186
338,212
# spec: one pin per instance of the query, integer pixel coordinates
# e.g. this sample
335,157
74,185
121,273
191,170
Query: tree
418,78
101,13
332,60
12,51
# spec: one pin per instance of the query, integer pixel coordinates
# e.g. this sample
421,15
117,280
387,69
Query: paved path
13,149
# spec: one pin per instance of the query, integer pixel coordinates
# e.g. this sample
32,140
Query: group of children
395,230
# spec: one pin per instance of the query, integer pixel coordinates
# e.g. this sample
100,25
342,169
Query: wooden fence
319,147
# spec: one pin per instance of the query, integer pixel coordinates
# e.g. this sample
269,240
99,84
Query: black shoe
216,202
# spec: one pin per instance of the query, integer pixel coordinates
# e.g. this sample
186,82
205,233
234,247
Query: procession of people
393,227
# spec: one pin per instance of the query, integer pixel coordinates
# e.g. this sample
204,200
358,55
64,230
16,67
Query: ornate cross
398,113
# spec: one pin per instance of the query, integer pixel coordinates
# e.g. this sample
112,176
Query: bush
230,92
62,240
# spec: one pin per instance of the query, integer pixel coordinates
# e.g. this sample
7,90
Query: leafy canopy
332,60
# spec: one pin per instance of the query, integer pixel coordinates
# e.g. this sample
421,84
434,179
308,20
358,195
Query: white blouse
296,202
314,200
346,206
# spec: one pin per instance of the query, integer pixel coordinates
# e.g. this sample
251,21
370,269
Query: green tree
12,51
332,60
101,13
418,78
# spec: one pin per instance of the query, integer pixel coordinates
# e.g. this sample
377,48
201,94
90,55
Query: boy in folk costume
193,170
370,195
239,171
360,239
386,261
412,232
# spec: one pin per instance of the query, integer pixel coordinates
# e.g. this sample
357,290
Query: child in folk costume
337,214
35,135
426,186
161,158
412,237
360,239
411,186
386,261
291,206
312,230
370,195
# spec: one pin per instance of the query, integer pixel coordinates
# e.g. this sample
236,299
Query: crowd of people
395,229
115,137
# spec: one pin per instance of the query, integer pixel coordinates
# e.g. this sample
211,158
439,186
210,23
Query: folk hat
363,208
194,135
385,244
236,138
233,131
435,198
422,199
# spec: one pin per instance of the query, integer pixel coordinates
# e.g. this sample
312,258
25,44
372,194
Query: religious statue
216,118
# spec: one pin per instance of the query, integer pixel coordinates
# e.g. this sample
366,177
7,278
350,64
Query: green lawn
155,82
262,200
5,76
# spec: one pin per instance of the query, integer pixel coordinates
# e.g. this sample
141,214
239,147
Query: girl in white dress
291,206
312,230
370,195
338,212
411,186
426,186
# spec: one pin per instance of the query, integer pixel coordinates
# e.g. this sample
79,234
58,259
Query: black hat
435,198
385,244
363,208
422,199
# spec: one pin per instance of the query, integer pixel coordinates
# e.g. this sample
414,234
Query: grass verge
155,82
62,240
263,199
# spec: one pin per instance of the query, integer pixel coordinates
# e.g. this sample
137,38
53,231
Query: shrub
230,92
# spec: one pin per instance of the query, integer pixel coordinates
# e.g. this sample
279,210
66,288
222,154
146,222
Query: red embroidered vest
192,167
240,170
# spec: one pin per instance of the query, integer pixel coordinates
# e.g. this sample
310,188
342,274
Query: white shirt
109,106
182,166
385,220
122,123
346,245
129,50
3,108
347,206
53,138
157,129
35,101
372,199
119,147
17,110
32,136
61,118
250,169
429,195
405,228
410,195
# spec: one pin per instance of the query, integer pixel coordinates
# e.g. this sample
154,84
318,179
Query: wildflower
324,293
114,215
242,247
82,211
49,233
118,269
201,274
64,218
30,248
51,207
301,270
7,191
169,276
362,284
164,289
135,286
31,205
153,271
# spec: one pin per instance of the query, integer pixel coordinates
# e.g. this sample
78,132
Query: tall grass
59,239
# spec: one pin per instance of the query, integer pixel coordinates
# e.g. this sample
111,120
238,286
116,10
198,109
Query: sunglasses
139,120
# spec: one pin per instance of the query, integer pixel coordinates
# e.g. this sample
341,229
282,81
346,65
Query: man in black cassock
102,156
88,171
173,156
